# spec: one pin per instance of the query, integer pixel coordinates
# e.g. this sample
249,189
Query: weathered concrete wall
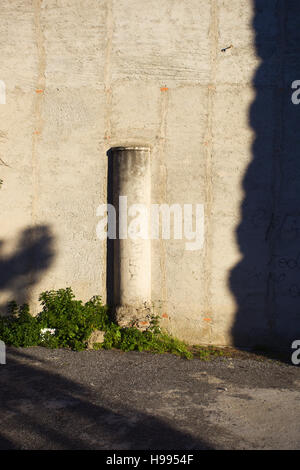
83,76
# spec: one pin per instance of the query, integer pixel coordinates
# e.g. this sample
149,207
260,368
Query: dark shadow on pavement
41,409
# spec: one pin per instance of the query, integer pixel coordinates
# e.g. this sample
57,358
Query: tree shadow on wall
22,269
266,282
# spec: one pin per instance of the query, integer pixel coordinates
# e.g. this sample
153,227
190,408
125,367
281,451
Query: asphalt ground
61,399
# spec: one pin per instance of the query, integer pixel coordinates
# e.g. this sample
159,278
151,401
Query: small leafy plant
132,339
73,320
68,323
19,328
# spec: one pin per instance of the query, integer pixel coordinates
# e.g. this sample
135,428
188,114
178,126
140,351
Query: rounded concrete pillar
132,250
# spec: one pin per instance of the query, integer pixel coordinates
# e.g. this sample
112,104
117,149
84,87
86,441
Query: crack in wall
213,36
37,105
106,143
163,178
107,68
